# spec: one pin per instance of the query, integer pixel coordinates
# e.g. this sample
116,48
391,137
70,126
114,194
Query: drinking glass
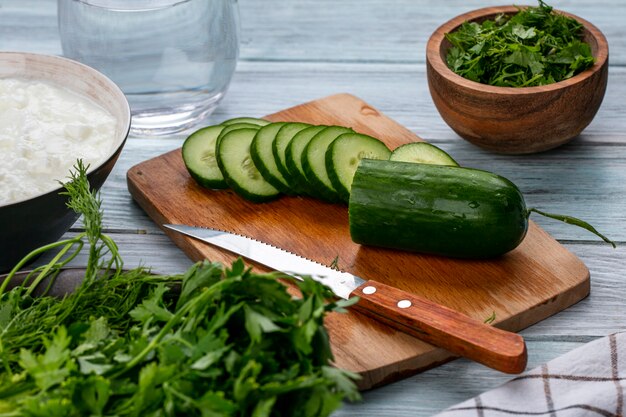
174,59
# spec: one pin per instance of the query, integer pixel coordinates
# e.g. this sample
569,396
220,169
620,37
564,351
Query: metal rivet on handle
404,303
369,290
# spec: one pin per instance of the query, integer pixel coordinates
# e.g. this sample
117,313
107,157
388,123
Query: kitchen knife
408,313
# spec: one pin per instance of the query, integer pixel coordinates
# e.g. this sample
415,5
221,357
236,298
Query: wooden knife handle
442,327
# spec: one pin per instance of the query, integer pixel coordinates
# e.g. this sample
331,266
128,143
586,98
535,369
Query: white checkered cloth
588,381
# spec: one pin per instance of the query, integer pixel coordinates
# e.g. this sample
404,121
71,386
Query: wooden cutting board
534,281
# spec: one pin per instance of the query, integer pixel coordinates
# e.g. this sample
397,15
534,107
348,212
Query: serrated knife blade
341,283
408,313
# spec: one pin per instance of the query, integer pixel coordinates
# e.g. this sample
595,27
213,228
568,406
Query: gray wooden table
298,50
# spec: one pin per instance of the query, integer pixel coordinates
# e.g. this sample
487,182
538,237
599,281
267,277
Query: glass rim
131,5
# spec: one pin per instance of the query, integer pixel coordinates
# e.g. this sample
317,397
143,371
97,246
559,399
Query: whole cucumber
450,211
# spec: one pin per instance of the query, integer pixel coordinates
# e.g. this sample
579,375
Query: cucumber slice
422,153
314,162
234,126
240,173
199,157
293,158
250,120
261,152
279,147
343,157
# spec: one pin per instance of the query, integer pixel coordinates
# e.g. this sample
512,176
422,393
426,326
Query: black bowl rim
119,96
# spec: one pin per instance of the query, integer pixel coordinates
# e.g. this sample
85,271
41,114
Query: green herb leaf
92,395
53,366
152,307
533,47
257,324
523,32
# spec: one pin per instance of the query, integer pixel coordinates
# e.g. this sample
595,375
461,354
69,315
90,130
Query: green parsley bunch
213,342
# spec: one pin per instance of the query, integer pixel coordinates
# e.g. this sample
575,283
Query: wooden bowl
515,120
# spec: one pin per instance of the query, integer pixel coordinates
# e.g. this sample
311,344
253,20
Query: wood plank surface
324,30
293,52
537,279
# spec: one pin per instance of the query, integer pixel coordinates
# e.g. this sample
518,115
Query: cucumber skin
442,210
298,178
320,189
251,120
282,167
343,190
234,126
234,185
214,184
255,151
210,184
441,156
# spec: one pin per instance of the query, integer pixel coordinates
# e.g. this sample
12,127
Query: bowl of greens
517,79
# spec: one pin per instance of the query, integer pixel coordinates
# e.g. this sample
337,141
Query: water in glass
173,59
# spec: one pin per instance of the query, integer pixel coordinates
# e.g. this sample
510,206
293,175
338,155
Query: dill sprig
86,202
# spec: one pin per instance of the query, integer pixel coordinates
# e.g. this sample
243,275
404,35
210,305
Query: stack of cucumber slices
395,199
261,160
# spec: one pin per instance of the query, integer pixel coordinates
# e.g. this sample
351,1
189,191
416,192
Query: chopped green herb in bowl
517,80
535,46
